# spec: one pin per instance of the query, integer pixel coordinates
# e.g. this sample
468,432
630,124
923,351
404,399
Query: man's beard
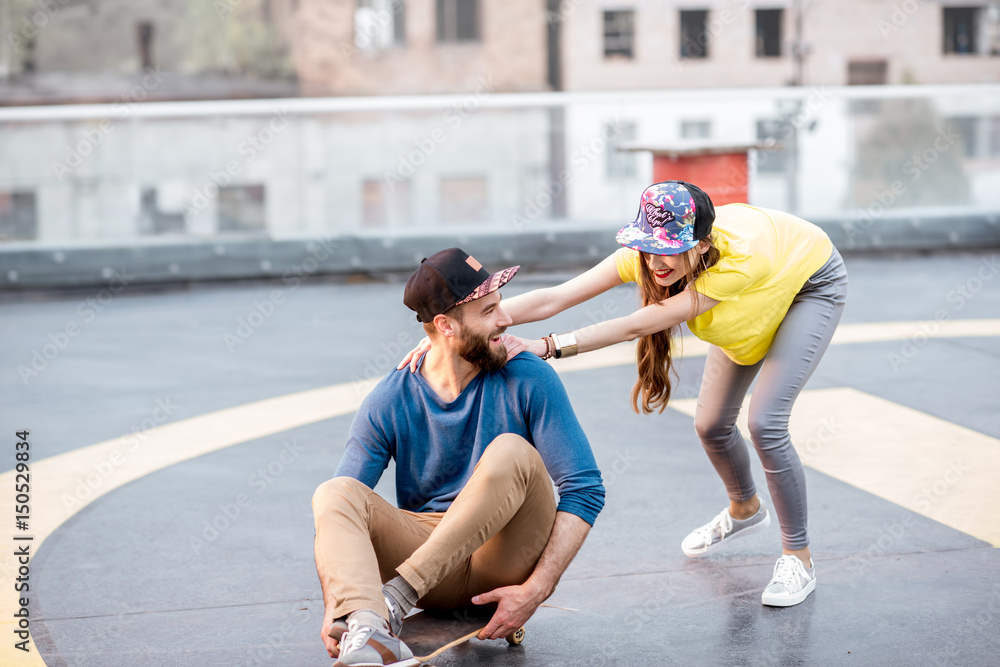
478,351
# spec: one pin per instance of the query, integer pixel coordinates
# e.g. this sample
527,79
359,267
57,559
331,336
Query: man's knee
336,492
511,449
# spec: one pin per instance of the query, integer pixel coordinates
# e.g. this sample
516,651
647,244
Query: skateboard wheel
515,638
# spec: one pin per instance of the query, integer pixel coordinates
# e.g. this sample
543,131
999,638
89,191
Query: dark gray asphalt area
122,583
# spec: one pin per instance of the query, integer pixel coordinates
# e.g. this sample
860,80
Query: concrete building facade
657,44
392,47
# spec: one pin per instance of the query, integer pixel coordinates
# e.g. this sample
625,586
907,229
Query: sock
402,593
369,619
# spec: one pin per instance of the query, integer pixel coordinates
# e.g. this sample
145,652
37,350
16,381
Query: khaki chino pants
491,536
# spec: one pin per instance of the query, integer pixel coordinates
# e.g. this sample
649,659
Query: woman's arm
541,304
650,319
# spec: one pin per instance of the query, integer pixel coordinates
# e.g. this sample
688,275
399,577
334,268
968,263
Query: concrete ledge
553,246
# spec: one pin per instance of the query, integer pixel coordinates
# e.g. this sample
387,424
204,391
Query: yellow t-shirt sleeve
627,263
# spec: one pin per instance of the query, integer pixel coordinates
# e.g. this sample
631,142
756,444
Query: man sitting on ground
477,441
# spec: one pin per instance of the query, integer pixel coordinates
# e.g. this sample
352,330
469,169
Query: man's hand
516,604
332,644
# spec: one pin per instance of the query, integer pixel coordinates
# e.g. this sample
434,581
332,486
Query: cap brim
631,236
491,284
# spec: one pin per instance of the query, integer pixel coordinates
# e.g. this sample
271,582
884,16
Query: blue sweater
437,444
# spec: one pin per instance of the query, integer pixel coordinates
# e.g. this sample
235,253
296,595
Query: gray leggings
798,346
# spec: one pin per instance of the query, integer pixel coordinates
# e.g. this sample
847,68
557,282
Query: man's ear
445,325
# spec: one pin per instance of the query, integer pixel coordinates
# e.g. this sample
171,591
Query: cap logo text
656,216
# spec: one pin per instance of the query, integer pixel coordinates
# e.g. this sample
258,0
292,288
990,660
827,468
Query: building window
867,73
619,34
464,200
379,24
694,33
961,29
153,219
771,159
994,145
769,33
385,205
457,20
620,164
241,209
18,216
965,127
146,44
696,129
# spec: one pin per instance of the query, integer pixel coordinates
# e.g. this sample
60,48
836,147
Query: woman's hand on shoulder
413,356
516,345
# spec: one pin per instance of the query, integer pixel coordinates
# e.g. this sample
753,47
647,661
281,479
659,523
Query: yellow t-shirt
765,258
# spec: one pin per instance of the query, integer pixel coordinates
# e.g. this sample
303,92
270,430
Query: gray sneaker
363,646
395,614
710,536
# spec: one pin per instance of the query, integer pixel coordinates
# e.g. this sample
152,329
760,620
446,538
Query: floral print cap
665,223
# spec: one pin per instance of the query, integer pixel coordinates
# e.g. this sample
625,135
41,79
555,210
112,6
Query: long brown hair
653,352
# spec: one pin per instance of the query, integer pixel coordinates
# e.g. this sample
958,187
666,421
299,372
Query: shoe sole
411,662
791,600
756,528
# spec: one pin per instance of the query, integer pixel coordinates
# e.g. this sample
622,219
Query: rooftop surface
177,436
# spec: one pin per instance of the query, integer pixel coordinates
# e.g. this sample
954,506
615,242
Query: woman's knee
714,433
767,430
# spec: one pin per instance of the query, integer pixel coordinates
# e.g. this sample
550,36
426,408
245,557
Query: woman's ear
703,246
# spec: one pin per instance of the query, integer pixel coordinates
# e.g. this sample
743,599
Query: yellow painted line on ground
63,485
928,465
60,485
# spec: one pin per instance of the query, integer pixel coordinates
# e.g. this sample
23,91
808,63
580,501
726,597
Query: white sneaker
710,536
790,584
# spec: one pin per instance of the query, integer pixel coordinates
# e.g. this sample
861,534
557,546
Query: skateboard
436,631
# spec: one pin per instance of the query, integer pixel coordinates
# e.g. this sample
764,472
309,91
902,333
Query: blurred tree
906,155
235,37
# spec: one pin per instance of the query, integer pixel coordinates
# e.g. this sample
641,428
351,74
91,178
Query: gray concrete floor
121,583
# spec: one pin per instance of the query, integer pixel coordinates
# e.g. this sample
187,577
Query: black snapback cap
447,279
